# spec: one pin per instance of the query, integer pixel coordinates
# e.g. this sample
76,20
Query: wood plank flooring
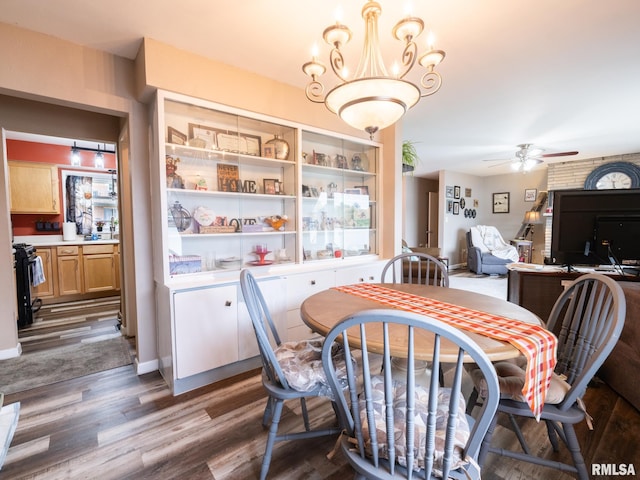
118,425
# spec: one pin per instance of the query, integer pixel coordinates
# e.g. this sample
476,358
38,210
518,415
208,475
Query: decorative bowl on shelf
277,222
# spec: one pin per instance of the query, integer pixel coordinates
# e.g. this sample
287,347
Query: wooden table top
325,309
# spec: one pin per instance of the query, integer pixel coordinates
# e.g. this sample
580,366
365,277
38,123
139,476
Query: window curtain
79,204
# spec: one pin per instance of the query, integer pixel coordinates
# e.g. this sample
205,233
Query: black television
583,218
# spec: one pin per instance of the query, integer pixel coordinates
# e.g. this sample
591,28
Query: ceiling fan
528,156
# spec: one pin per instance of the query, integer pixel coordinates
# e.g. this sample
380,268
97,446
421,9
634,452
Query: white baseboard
146,367
11,352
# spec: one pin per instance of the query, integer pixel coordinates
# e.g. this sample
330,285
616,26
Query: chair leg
553,436
305,414
271,438
518,432
486,442
574,448
268,412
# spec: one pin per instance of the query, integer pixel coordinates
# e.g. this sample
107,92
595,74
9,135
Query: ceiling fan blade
559,154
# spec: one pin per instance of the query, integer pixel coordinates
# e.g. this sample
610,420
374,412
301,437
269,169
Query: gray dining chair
393,425
415,267
290,371
587,318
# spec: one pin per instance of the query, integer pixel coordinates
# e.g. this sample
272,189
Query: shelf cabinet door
275,295
99,272
47,289
206,329
34,188
69,275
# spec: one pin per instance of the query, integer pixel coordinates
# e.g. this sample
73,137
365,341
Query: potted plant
99,225
409,156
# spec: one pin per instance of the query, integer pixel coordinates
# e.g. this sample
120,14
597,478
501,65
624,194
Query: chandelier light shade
373,99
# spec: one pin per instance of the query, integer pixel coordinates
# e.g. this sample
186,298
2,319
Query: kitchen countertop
56,240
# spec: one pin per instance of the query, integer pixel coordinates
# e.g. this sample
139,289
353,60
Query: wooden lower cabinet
80,270
48,289
99,268
69,270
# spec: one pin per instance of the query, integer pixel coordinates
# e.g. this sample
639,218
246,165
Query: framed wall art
456,208
175,136
501,202
530,194
456,191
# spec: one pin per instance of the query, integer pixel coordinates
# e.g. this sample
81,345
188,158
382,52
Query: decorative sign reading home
228,178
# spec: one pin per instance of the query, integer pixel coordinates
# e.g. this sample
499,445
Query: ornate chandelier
373,99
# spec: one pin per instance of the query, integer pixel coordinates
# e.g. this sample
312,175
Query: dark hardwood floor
116,424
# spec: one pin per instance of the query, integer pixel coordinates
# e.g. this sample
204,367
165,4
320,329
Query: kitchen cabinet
34,188
47,290
69,270
116,263
99,268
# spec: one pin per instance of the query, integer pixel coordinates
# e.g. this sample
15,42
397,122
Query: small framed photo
449,206
269,151
467,192
456,208
364,189
352,191
456,192
501,202
306,192
449,190
314,191
530,195
175,136
271,186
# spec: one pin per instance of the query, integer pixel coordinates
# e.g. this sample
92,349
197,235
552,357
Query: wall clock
614,175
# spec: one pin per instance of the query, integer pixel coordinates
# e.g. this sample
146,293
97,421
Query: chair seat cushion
420,421
301,363
511,377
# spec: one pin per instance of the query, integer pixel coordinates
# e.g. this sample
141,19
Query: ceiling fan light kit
373,99
528,156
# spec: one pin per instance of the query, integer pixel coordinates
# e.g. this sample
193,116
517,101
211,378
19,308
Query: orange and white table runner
536,343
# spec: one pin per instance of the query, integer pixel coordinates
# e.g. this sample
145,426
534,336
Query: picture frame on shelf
364,189
269,151
271,186
306,192
530,194
176,136
352,191
202,136
314,192
501,202
456,192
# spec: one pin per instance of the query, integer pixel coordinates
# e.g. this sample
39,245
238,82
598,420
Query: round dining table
323,310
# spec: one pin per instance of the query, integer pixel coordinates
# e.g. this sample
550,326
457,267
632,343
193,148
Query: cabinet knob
313,282
361,280
227,303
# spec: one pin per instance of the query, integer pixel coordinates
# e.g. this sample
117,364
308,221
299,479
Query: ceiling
560,75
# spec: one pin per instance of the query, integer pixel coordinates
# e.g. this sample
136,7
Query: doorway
80,267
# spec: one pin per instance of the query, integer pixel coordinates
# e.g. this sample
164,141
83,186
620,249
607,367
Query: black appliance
24,260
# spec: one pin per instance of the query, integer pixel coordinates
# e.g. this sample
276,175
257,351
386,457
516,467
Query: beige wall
52,71
97,91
